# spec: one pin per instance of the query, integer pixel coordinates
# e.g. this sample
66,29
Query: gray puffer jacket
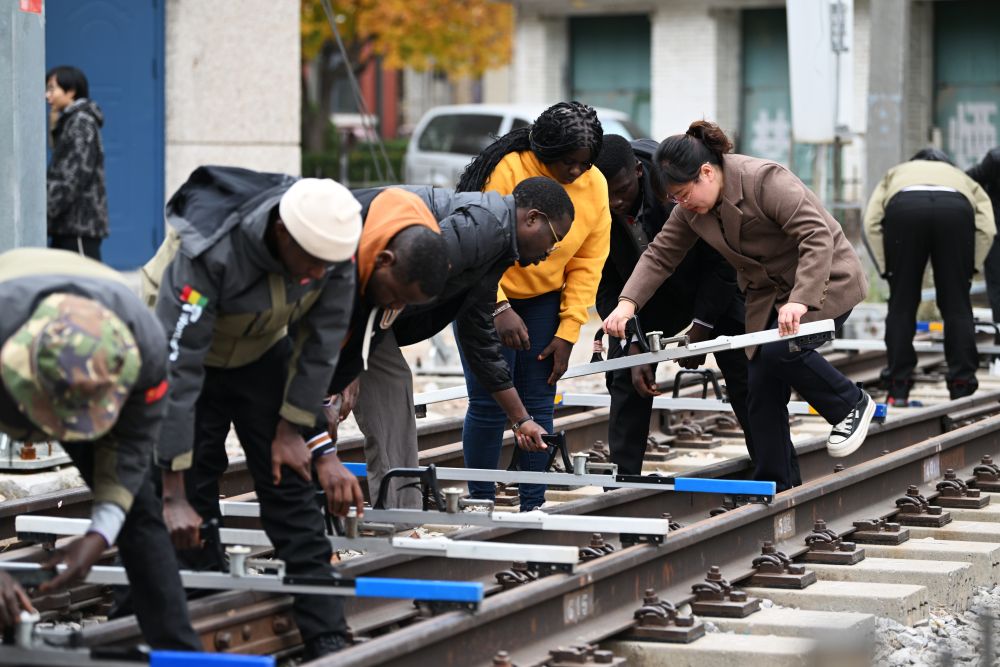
77,199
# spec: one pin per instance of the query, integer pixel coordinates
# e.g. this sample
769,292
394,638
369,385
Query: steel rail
366,615
597,601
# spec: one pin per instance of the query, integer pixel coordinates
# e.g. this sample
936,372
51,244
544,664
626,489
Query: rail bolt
451,497
25,632
223,640
238,559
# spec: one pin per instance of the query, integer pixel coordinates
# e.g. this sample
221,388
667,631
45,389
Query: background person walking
77,199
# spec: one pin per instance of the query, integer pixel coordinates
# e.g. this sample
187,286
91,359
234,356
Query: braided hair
560,130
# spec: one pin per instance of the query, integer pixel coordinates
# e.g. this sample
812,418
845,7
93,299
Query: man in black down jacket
987,174
485,234
701,293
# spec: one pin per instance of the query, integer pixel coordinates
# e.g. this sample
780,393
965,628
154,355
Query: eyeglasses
677,199
558,239
553,229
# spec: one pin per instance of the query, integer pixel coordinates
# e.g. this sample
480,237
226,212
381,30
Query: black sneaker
317,647
847,436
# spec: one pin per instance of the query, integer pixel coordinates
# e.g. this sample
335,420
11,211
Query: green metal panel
610,64
967,77
766,126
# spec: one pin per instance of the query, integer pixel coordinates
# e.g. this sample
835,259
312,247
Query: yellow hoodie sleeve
583,274
874,213
502,180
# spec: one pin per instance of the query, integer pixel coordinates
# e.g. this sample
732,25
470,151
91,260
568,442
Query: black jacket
704,285
123,455
479,229
987,174
77,201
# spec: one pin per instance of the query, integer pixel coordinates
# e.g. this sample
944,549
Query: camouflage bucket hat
70,367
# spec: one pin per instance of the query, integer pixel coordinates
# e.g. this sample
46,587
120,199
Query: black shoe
962,388
317,647
847,436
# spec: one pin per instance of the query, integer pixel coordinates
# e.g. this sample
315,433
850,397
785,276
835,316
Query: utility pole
22,124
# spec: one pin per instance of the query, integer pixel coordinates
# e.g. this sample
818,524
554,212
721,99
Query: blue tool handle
418,589
742,487
357,469
189,659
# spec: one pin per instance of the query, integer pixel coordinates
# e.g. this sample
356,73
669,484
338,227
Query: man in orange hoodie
484,235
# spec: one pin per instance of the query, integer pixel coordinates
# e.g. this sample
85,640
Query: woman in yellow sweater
540,308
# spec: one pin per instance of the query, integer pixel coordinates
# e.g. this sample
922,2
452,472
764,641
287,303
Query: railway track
532,617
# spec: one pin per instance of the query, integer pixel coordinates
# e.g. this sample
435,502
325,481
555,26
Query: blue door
119,46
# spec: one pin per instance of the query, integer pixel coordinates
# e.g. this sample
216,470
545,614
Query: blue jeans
485,422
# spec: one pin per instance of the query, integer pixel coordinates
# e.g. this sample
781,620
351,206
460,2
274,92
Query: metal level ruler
533,520
441,547
593,474
694,404
926,346
32,574
808,333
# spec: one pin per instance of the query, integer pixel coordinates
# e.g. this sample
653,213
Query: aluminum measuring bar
376,587
695,404
865,344
720,344
738,487
442,547
533,520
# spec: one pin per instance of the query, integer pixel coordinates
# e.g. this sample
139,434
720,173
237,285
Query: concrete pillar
22,125
887,88
233,73
541,59
685,63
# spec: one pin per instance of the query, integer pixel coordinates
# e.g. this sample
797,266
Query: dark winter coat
479,229
225,300
77,199
987,174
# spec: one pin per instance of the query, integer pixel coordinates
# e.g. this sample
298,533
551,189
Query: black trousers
87,246
773,372
628,425
157,597
250,397
941,226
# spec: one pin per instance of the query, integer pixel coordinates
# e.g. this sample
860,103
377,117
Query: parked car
448,137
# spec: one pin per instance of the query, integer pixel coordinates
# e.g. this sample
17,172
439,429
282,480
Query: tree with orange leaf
456,37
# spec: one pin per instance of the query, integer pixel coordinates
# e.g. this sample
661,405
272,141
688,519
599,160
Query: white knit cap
323,217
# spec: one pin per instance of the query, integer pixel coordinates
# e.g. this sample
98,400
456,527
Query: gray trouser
384,412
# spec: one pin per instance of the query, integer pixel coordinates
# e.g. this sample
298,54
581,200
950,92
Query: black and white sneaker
847,436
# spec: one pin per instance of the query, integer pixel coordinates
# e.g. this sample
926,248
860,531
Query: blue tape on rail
418,589
743,487
186,659
357,469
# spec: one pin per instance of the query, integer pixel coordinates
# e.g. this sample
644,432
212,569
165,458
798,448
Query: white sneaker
848,435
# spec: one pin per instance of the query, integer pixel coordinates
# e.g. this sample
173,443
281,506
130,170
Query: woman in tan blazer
793,262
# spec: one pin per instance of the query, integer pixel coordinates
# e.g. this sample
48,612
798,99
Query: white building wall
232,86
729,69
854,152
540,61
685,63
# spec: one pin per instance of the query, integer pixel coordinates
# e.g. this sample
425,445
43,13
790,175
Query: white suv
448,137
